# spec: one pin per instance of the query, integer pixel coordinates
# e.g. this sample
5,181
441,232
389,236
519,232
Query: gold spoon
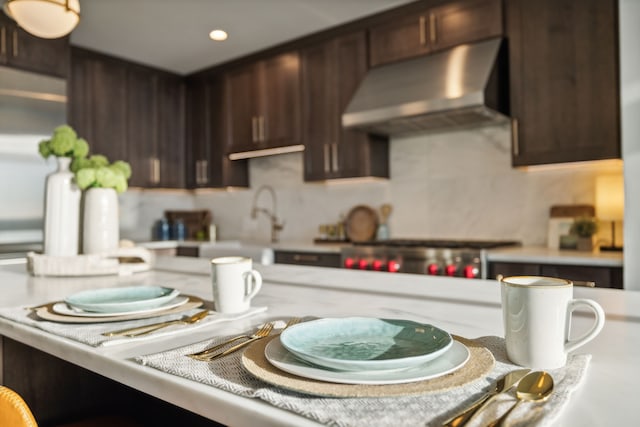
534,387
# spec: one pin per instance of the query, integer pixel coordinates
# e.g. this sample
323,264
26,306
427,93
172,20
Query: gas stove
454,258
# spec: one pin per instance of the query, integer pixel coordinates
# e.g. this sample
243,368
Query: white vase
61,212
100,229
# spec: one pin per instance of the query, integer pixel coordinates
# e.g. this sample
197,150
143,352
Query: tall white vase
100,230
61,212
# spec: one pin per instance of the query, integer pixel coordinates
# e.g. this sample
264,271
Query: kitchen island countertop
543,255
466,308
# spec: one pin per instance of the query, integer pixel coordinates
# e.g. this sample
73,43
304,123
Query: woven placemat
480,363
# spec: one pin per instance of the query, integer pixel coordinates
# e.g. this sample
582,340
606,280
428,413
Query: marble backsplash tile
447,185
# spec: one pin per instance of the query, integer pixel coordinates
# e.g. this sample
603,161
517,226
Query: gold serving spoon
535,387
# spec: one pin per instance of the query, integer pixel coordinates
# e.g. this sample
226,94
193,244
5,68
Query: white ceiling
173,34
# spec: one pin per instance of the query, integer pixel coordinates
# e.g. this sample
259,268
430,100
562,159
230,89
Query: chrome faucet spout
276,225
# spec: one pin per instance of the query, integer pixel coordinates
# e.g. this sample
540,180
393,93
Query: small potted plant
585,228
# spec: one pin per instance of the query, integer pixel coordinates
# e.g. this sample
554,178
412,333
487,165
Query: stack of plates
359,350
112,304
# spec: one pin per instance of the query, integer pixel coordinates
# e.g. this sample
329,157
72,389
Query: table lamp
610,204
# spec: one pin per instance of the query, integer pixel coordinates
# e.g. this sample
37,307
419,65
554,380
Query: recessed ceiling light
218,35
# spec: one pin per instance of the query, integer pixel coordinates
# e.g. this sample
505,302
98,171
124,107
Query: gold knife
503,384
146,329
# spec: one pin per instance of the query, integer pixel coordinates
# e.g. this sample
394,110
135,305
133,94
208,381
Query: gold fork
210,353
291,322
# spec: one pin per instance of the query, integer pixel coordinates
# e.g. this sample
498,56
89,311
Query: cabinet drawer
604,277
316,259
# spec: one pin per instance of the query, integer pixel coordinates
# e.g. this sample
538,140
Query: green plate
365,344
121,300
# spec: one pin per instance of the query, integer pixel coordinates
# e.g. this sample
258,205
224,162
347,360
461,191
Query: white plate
453,359
63,308
122,300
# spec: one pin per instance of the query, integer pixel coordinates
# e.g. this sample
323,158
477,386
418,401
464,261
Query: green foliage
64,143
584,226
96,172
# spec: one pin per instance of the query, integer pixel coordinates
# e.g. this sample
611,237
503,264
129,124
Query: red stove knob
471,271
363,264
376,265
349,262
451,270
393,266
433,269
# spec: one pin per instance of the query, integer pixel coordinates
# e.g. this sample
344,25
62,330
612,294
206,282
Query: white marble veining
468,308
444,185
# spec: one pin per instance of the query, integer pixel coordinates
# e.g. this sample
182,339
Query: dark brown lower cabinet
604,277
314,259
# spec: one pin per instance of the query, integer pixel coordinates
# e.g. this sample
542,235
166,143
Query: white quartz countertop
542,255
468,308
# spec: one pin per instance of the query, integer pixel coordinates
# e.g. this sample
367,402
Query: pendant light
48,19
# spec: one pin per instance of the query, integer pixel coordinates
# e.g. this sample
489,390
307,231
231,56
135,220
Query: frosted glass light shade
610,197
48,19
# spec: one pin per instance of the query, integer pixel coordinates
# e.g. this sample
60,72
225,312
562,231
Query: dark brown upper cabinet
331,72
97,102
130,112
20,49
263,104
563,80
208,165
435,29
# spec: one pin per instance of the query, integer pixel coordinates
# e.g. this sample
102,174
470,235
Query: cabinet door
354,152
279,119
319,109
506,269
207,163
98,103
241,109
604,277
399,39
22,50
564,80
463,22
171,146
141,127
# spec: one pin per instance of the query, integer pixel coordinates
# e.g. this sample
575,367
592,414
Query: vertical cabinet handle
261,128
198,172
254,127
205,171
3,41
327,158
515,138
433,34
15,43
334,157
423,31
154,164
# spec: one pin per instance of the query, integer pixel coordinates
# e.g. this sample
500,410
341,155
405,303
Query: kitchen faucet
276,226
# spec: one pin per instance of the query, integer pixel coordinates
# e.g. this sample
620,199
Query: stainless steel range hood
461,87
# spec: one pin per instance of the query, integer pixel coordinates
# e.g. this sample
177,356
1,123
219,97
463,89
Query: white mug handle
253,283
571,345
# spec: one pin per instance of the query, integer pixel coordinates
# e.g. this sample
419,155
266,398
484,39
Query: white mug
235,283
537,320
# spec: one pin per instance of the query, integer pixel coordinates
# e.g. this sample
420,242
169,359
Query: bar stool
14,412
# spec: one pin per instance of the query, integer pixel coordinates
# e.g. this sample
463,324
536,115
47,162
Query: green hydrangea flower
43,148
85,178
98,161
81,148
123,167
106,177
64,143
